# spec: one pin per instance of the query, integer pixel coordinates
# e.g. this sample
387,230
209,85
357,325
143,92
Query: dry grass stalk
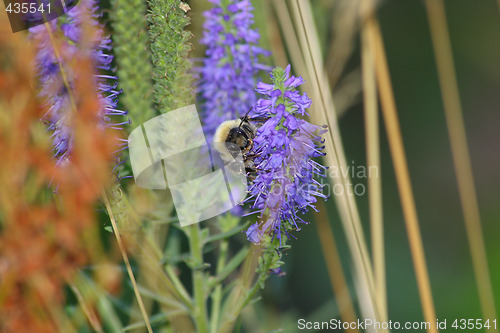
327,240
402,174
333,146
334,266
460,152
373,159
127,263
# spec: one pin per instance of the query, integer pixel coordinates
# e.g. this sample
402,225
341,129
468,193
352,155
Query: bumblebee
235,136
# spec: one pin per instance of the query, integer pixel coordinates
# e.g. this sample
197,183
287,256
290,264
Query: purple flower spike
228,75
285,145
53,89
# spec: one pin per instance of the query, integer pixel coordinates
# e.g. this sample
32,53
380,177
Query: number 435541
24,8
472,324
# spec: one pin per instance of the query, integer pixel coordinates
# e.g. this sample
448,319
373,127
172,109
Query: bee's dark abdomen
247,130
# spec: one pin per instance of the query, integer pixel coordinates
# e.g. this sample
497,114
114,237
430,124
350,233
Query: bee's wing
258,121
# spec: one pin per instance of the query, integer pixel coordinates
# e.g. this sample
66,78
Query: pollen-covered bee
235,136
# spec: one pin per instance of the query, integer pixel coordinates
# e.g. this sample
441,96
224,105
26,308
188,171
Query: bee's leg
258,122
251,173
251,157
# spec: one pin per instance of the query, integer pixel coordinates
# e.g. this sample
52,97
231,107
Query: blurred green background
305,292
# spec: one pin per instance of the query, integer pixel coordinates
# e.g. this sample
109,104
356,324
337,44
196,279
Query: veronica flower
56,78
286,145
228,74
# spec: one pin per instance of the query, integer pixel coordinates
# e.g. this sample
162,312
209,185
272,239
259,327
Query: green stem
182,293
199,287
251,293
121,246
229,267
227,325
217,294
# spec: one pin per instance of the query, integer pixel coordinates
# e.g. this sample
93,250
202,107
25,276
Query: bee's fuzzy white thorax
220,137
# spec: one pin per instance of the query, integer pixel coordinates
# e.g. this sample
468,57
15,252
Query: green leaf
231,266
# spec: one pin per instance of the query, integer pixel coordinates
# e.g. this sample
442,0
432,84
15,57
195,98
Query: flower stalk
132,58
228,75
285,146
199,285
169,53
58,44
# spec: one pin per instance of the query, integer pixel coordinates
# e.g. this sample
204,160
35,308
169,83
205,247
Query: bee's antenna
245,116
